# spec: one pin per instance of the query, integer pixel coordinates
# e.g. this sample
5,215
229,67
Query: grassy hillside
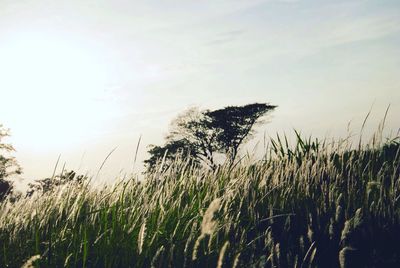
312,205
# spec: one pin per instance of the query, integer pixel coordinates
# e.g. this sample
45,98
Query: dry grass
305,205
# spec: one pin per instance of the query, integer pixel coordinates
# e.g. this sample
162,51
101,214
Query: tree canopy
234,124
8,164
46,185
202,134
168,153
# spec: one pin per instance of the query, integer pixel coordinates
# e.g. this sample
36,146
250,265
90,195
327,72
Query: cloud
363,29
226,37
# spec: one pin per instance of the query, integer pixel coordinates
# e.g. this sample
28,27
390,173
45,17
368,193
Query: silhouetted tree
206,133
49,184
163,156
8,165
234,124
197,129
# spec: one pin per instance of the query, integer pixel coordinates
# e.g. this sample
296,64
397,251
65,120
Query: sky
80,78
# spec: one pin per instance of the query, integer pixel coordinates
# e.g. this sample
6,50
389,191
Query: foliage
50,184
8,164
202,134
325,206
235,123
163,156
6,188
197,129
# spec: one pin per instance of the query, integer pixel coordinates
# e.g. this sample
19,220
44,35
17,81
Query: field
315,204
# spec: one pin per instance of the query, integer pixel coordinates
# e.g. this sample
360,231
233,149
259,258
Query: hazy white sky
78,78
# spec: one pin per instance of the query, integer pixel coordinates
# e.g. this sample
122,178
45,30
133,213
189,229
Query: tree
163,156
206,133
8,164
49,184
234,125
198,131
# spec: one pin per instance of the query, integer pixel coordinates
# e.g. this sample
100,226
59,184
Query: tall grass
313,204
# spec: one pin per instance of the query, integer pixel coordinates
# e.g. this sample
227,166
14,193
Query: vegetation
312,204
43,186
200,135
8,165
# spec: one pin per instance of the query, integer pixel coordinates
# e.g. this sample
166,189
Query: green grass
313,204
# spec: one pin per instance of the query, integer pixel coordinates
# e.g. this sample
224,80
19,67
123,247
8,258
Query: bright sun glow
53,89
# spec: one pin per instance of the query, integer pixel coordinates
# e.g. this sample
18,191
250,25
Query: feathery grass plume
278,254
339,215
196,247
236,261
30,263
312,257
162,214
351,225
141,237
350,257
222,254
156,256
208,224
186,254
332,229
66,262
310,234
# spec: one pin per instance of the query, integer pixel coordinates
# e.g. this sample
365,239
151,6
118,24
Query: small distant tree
208,132
8,165
43,186
163,156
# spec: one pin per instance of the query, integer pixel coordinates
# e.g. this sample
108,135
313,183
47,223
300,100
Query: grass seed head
208,224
